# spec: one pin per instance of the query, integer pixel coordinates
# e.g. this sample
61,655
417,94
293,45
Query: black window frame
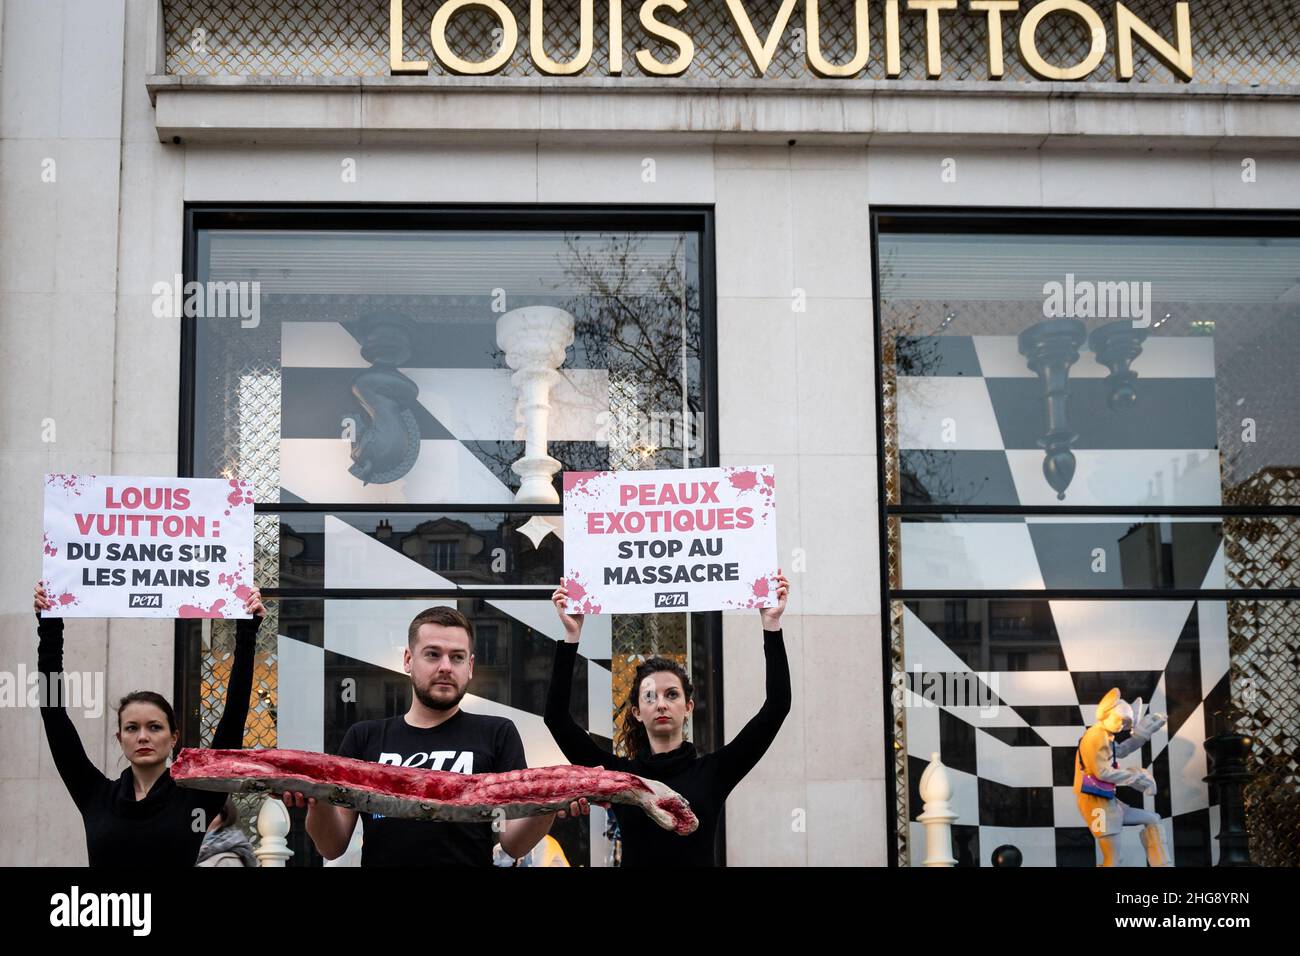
706,626
995,220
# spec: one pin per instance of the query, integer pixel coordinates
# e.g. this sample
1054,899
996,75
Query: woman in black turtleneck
652,735
141,818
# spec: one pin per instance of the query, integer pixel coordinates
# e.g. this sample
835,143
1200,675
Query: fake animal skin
417,794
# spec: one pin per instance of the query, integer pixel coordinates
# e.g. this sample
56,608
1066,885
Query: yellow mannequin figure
1096,768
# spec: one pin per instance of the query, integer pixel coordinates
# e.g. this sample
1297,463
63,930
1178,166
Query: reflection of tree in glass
910,347
643,306
636,308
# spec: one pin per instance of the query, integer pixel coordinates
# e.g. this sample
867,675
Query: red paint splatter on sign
577,592
744,480
576,481
71,483
192,610
239,493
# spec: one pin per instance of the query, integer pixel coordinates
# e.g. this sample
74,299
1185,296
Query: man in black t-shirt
437,735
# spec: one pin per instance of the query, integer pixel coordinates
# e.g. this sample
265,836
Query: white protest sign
690,539
124,546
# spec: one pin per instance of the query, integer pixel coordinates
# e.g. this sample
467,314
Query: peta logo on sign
145,600
670,599
462,762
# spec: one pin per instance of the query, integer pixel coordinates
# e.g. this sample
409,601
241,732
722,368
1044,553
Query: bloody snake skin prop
413,794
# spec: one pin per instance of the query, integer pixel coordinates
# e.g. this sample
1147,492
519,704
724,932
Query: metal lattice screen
245,411
897,663
1265,655
1241,42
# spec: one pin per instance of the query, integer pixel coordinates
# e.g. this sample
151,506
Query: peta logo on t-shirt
462,762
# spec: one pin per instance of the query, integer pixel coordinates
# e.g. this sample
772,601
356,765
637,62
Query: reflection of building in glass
444,545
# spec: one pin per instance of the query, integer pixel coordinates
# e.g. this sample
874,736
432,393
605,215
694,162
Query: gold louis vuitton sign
761,41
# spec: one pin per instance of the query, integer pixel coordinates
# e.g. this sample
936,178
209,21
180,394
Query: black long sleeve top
166,828
705,780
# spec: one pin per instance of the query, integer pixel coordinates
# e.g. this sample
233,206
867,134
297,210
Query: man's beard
433,703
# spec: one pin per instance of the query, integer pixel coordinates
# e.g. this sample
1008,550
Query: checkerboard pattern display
970,414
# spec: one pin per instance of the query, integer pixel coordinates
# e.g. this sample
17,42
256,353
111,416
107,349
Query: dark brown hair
631,737
147,697
443,617
229,814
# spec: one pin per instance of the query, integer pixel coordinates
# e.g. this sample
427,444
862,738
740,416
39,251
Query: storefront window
392,372
1089,453
406,398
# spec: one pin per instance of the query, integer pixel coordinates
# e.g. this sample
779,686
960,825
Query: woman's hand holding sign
42,600
572,622
772,615
253,604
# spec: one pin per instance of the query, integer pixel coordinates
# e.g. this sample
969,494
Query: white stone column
936,792
535,339
272,828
